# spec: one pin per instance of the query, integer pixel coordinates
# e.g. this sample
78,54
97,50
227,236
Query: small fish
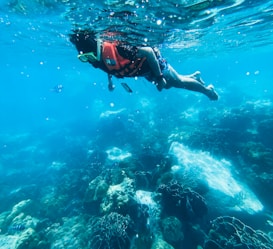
17,228
57,88
126,87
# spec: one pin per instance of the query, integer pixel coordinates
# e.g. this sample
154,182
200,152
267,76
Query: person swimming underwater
122,60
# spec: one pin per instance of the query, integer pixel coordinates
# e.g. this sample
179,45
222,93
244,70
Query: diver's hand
111,87
160,83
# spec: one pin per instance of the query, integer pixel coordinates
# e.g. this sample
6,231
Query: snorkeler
123,60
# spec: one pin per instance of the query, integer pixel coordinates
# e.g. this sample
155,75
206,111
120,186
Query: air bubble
159,22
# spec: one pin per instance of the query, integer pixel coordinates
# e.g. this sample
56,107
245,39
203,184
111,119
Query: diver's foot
159,88
212,95
197,76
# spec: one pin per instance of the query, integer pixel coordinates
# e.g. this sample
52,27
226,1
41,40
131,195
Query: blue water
54,144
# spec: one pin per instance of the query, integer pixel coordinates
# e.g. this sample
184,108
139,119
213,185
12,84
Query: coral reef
20,227
118,197
149,208
19,218
52,203
20,207
230,232
8,241
110,231
161,244
140,196
258,154
71,233
96,190
182,201
28,239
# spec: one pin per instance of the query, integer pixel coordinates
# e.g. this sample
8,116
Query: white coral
118,195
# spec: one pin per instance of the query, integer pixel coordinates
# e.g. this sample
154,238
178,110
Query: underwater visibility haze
82,167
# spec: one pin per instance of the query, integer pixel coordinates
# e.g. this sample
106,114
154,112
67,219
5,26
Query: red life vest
118,65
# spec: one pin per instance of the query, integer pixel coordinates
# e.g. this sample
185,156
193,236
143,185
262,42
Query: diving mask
87,57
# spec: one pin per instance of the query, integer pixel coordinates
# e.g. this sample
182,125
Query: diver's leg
197,76
191,82
150,55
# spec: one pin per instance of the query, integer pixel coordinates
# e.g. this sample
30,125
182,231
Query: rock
172,230
28,239
161,244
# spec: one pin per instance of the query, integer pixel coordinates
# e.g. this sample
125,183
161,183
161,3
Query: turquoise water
75,160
